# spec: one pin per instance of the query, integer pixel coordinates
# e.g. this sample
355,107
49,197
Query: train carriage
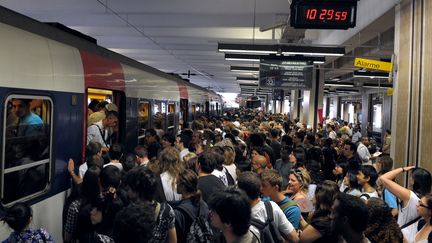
60,73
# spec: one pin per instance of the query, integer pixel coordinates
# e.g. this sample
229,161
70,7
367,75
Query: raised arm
399,191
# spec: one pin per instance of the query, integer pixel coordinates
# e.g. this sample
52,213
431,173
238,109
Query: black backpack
200,230
269,232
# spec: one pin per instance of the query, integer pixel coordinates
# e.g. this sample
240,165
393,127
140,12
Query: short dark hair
115,151
95,160
170,138
142,181
140,151
369,171
353,147
151,132
129,161
185,139
110,176
250,183
134,223
112,114
300,134
422,181
311,138
274,132
18,216
354,209
233,208
207,162
93,148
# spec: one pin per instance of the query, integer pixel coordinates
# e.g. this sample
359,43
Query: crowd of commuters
224,180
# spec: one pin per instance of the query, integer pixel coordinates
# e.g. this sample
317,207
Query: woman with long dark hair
320,229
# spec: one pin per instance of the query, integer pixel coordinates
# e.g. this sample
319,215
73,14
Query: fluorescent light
313,53
318,62
247,79
372,75
339,85
244,69
248,48
281,49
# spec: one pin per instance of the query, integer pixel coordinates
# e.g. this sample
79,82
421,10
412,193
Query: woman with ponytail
188,208
19,217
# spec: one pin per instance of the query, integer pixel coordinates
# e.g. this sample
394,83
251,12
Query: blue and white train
59,73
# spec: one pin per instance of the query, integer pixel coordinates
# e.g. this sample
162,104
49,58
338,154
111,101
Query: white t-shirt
118,165
371,194
169,191
82,170
221,175
406,214
232,170
259,212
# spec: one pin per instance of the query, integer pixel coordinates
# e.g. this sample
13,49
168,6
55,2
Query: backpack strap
101,133
410,222
186,211
269,211
288,204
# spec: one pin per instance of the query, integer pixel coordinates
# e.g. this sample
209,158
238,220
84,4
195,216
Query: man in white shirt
363,151
182,144
356,135
331,133
98,132
251,184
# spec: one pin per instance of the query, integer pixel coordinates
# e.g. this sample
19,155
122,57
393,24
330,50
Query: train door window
171,115
159,115
26,167
102,98
143,118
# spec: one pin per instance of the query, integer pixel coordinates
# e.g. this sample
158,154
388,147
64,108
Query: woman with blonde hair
299,180
170,168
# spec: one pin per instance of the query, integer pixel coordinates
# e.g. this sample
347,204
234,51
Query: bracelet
403,169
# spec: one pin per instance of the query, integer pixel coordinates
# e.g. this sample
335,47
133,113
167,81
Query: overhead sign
278,94
373,64
285,74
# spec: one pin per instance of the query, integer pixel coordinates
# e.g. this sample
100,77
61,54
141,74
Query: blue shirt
390,199
30,125
292,213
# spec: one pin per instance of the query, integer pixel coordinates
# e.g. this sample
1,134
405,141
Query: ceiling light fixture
281,49
245,69
246,48
257,58
373,75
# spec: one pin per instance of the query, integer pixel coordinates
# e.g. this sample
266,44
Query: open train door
184,114
104,81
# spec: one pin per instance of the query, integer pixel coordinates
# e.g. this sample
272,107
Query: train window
159,116
171,115
143,118
26,168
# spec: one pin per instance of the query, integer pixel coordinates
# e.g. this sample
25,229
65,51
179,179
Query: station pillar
366,101
412,106
295,104
313,100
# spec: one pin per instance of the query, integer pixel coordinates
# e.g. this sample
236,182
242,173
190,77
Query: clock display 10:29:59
326,14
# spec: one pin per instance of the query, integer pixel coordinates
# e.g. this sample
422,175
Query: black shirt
209,184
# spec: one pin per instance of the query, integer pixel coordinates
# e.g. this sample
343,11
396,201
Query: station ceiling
181,36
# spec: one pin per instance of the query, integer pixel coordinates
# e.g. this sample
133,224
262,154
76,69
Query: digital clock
319,15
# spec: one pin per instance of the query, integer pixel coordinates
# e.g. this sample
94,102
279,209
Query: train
59,72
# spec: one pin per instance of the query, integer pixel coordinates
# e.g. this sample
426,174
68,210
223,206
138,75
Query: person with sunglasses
410,212
298,184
